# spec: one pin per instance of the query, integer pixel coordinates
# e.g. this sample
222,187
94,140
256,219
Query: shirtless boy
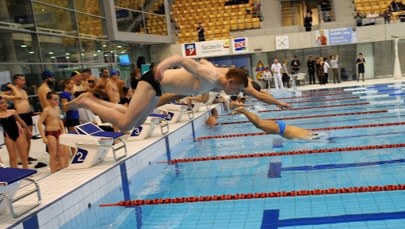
58,154
193,78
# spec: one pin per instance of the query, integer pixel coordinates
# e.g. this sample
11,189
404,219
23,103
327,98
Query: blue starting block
9,182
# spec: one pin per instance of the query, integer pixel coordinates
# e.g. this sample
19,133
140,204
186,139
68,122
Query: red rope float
314,107
313,129
257,195
314,116
286,153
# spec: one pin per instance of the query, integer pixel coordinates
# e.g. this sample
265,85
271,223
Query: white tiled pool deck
55,187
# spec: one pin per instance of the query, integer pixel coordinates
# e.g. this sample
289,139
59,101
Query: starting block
90,150
175,112
9,182
145,130
93,130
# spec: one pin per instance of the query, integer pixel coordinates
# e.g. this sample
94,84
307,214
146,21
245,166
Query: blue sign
137,131
342,36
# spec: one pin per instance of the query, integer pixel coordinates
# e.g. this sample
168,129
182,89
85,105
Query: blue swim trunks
281,125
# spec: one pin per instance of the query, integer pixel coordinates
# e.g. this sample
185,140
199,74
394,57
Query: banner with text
206,49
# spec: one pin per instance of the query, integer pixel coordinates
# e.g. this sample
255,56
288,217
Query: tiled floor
48,183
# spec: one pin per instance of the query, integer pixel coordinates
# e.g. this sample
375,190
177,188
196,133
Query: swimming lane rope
313,129
314,116
257,195
285,153
314,107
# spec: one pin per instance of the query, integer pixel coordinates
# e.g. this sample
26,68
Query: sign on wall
336,36
240,45
206,49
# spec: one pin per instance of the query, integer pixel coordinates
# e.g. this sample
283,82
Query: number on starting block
169,116
137,131
80,156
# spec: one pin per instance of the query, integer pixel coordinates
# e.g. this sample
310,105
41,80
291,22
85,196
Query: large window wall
57,35
140,16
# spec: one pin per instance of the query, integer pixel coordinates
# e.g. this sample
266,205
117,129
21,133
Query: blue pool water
297,172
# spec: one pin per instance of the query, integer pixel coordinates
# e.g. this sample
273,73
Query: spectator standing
326,67
201,32
319,69
14,140
311,69
48,81
295,65
286,75
276,69
360,66
334,65
387,15
266,77
72,116
325,8
308,22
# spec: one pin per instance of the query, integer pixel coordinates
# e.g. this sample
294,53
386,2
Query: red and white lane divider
286,153
313,129
258,195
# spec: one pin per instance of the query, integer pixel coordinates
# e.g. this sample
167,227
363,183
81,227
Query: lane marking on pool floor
285,153
275,168
257,195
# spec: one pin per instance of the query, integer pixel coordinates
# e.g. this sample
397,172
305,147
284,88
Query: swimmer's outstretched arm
195,68
265,98
267,126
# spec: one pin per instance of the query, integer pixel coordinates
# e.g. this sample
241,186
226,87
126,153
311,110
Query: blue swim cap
114,72
47,74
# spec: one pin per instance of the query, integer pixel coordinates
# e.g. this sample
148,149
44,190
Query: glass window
89,6
61,50
93,51
60,3
383,62
91,27
18,47
54,20
130,21
16,14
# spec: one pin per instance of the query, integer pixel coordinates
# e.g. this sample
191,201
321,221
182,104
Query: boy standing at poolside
58,154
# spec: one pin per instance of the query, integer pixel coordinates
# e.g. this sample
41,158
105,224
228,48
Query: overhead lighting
52,57
119,46
67,54
98,50
31,52
122,51
104,46
50,53
23,46
95,54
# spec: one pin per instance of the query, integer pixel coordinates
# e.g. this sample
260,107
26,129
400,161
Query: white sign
206,49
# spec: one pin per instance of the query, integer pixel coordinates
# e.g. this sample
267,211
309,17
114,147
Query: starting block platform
176,111
91,129
90,150
10,179
145,130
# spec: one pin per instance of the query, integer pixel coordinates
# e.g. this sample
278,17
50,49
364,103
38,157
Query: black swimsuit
150,78
10,128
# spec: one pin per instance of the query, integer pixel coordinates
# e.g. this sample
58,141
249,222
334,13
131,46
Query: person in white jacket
326,67
276,69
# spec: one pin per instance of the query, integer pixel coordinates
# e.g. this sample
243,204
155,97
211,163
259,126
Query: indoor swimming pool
235,176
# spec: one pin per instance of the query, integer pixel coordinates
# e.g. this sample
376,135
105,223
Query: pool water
336,111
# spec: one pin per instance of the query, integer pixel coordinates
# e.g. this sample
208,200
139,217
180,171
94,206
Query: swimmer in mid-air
278,127
193,78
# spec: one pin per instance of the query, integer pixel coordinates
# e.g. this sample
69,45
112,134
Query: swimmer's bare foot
79,101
